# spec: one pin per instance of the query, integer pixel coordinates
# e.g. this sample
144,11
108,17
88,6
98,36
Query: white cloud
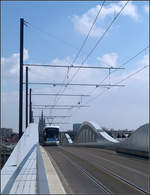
9,107
10,65
146,8
145,60
130,10
141,76
41,74
10,69
83,22
10,101
109,59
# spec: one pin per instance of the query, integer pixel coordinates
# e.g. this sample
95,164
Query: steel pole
21,78
30,107
26,97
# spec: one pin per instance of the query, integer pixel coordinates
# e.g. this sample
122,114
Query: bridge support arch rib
90,132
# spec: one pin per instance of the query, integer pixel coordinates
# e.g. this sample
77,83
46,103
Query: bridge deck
88,170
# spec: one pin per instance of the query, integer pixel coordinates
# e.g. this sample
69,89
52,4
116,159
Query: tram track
108,181
93,179
136,173
77,179
110,172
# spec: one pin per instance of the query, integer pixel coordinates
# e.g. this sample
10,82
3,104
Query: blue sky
70,22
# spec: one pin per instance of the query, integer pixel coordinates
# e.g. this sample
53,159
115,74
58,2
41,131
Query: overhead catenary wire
85,40
124,79
122,65
99,40
96,44
130,59
129,75
52,36
78,53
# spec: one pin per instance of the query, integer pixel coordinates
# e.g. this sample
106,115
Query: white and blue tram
51,135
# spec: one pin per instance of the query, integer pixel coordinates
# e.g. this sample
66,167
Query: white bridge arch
90,132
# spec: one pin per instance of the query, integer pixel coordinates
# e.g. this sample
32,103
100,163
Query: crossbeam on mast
64,123
53,106
76,84
72,66
54,94
53,116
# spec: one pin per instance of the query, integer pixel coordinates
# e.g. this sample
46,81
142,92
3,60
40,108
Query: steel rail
93,179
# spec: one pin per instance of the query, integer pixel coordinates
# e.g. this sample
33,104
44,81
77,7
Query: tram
51,136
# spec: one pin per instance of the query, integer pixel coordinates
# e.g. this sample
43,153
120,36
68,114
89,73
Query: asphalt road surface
99,171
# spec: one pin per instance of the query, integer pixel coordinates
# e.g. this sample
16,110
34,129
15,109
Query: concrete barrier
137,143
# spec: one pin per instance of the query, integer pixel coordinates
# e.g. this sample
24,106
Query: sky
53,34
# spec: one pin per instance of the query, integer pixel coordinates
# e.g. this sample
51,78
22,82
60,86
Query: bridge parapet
137,143
23,173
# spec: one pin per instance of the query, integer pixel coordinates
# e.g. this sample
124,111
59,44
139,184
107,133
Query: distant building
8,136
6,132
14,138
41,126
76,126
119,133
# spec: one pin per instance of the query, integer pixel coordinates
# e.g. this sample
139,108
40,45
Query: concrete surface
54,183
84,173
18,176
